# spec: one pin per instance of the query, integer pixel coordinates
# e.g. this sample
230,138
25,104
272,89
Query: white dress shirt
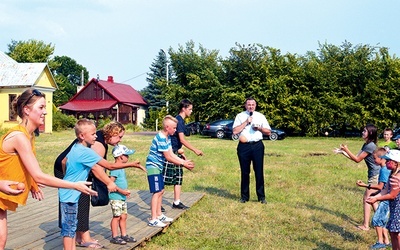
248,132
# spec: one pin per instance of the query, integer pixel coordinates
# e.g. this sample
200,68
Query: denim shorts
381,215
69,219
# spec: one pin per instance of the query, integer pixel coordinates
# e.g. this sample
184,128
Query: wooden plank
35,226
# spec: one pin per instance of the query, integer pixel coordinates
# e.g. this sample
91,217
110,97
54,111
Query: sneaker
164,218
179,206
128,238
156,223
378,245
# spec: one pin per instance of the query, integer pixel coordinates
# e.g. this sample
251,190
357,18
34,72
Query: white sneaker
156,223
164,218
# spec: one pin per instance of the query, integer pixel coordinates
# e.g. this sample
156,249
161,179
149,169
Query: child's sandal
118,240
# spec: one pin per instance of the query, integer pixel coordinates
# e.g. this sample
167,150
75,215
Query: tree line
353,84
350,84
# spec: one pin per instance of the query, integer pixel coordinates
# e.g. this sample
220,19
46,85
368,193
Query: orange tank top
12,168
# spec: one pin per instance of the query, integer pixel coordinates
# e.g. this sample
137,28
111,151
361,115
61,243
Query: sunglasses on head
35,92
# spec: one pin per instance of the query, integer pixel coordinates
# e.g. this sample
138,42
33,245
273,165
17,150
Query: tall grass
313,201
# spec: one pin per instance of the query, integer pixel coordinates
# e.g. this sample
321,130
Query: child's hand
360,183
371,200
38,195
126,192
189,164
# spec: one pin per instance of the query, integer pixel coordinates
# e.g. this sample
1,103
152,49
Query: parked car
216,128
341,130
193,128
276,134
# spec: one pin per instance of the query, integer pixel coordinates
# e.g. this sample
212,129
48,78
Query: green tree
157,79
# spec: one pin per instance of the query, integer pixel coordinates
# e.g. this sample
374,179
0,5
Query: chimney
110,79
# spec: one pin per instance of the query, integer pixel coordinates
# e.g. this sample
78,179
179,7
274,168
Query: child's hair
169,118
112,129
80,124
380,151
388,130
372,133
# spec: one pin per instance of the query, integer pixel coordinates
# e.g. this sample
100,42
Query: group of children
383,162
81,160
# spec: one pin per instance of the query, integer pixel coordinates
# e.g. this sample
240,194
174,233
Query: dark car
341,130
216,128
276,134
193,128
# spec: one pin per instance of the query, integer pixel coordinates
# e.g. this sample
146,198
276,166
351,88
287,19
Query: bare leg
3,229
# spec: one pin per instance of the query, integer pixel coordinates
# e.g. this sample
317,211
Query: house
99,98
15,78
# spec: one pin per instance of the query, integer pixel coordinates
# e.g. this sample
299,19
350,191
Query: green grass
313,201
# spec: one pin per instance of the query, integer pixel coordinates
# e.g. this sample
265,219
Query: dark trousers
247,153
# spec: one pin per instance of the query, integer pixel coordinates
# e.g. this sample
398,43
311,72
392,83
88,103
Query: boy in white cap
118,199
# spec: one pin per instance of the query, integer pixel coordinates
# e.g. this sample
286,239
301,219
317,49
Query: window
12,115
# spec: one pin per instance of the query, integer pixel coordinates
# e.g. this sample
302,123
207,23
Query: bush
132,127
62,121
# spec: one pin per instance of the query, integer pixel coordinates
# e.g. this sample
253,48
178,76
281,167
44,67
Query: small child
118,199
381,216
391,194
160,152
79,161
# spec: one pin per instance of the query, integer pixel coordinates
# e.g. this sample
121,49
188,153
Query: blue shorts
381,215
69,218
156,183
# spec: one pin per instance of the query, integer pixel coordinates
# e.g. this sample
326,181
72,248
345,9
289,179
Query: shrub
62,121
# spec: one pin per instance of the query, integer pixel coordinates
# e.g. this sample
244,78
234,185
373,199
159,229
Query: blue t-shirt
121,182
180,128
155,160
80,161
384,174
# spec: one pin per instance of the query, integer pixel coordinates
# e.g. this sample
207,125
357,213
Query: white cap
393,155
119,150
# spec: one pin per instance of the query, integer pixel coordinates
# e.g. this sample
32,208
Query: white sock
177,202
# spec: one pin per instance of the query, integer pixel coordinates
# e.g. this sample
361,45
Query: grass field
313,201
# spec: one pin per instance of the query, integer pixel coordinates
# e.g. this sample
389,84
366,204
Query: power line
136,76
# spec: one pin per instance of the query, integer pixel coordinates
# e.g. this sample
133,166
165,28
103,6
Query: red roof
81,105
120,93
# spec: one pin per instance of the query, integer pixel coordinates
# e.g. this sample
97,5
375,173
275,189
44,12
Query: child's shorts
156,183
173,174
381,215
373,180
118,207
69,218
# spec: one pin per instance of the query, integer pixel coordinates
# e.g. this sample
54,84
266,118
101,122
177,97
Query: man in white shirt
251,125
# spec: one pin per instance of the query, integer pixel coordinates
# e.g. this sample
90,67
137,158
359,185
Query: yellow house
15,78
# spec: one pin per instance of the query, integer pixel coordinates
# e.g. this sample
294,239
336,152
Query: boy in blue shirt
79,161
118,199
161,152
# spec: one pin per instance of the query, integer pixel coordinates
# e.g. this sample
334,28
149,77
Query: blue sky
123,37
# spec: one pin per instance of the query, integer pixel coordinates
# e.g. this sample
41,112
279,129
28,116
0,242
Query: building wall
44,85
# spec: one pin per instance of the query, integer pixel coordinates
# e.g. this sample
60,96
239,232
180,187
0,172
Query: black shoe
242,201
162,209
179,206
263,201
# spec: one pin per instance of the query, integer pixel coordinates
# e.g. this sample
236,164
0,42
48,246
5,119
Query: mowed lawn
313,201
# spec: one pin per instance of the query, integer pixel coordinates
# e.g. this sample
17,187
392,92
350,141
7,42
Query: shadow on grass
343,216
216,191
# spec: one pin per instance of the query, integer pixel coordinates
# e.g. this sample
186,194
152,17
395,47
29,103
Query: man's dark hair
185,103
